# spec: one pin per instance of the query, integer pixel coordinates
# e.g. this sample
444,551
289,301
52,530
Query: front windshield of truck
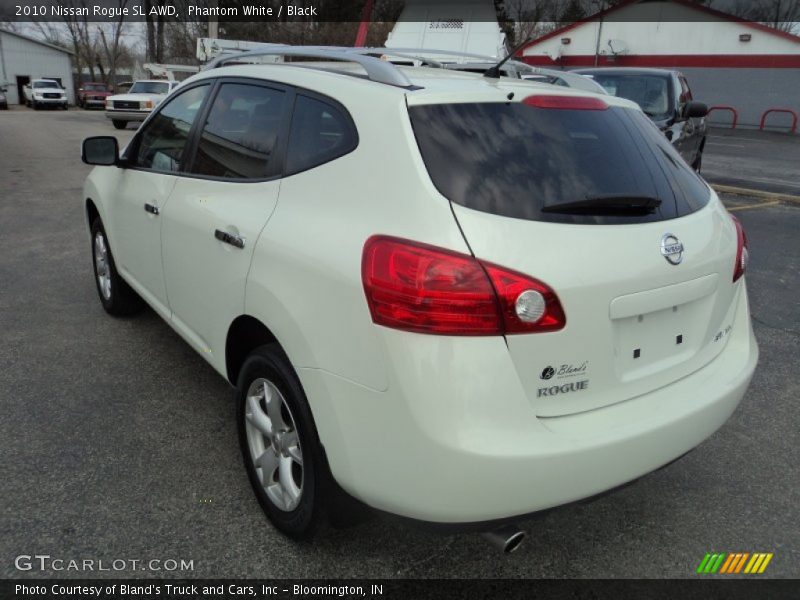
45,84
149,87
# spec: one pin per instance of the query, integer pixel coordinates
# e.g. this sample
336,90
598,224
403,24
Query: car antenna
494,72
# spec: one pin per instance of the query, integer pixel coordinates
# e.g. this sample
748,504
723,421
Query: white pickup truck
142,98
45,92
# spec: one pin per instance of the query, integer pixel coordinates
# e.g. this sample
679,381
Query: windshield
149,87
520,161
650,92
94,87
45,84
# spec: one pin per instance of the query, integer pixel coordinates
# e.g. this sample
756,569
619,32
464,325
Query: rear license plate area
649,343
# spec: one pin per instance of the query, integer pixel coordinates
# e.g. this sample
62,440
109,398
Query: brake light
566,102
425,289
742,250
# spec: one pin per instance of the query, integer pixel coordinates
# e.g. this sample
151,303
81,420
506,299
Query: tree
782,15
573,12
155,30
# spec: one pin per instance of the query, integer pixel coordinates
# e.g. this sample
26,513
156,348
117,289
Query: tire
300,514
116,296
65,107
119,124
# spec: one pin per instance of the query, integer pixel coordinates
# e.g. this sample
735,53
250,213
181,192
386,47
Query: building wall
25,57
749,91
640,30
752,77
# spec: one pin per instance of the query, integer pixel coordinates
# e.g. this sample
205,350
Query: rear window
524,162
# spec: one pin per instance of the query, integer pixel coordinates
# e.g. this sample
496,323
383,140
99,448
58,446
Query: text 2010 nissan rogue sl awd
458,299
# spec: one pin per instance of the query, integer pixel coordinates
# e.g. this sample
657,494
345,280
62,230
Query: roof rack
380,71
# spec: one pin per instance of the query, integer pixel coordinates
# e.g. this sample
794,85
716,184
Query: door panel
213,219
205,275
693,127
135,232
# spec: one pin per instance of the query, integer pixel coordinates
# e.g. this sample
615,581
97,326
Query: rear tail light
422,288
565,102
742,250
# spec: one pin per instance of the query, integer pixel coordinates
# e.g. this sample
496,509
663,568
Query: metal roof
35,41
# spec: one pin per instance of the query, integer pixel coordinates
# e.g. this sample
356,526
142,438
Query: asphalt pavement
117,441
761,160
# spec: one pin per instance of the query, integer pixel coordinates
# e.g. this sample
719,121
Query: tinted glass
516,160
320,133
241,133
163,138
45,84
651,92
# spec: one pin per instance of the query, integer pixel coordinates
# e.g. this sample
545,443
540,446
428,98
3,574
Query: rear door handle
151,208
229,238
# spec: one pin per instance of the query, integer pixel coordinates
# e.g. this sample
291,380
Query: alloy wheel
274,444
101,264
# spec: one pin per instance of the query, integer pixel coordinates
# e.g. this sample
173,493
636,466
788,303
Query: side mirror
100,150
694,110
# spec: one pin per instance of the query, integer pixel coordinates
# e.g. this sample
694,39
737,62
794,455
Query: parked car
93,94
455,300
666,98
40,93
3,100
136,104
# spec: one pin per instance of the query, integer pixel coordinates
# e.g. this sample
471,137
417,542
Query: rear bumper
127,115
455,440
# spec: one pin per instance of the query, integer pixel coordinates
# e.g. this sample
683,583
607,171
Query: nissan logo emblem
671,249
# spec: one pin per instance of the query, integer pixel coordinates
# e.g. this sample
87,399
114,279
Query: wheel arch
245,334
92,212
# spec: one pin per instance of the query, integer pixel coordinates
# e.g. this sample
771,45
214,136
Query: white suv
456,298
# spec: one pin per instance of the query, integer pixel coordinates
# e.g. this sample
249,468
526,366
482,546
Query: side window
320,133
241,133
163,139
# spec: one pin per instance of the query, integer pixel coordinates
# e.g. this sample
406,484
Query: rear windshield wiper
607,205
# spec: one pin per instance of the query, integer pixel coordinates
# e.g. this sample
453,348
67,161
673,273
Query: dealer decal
565,370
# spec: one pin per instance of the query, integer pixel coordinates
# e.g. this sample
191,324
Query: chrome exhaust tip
506,539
